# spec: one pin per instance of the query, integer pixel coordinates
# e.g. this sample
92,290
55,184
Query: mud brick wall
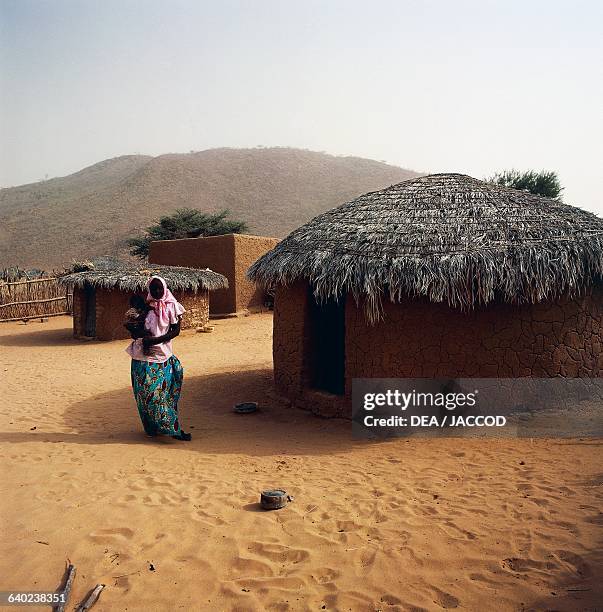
230,255
289,339
110,309
247,249
213,252
111,306
196,306
421,339
290,350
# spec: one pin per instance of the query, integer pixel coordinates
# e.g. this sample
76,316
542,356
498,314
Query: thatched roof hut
448,237
112,273
102,288
449,277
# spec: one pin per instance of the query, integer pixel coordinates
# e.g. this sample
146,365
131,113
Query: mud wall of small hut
197,308
111,306
78,312
230,255
421,339
110,309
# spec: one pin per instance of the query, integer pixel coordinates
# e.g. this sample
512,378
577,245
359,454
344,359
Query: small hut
228,254
442,276
102,289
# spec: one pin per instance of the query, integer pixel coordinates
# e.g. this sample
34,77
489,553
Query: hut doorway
326,354
89,311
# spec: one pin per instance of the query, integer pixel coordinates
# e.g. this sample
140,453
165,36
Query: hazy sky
471,86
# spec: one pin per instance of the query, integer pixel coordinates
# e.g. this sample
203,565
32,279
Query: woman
156,371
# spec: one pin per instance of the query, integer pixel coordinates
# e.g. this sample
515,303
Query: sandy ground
398,525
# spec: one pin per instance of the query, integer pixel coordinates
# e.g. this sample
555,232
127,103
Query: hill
92,212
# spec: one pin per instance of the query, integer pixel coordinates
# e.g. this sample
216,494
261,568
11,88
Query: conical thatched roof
448,237
111,273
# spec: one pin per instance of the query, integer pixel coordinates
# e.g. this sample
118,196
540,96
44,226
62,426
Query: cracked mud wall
417,338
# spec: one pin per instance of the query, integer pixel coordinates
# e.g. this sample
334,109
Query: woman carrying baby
156,372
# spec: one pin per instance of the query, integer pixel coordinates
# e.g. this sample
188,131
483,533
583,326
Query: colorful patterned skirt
157,388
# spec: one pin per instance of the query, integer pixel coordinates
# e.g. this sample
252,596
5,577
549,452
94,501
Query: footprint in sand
573,529
265,585
380,517
575,563
394,504
348,600
596,519
244,566
325,575
454,531
122,583
278,552
367,557
543,503
346,526
198,565
212,520
111,535
523,565
391,600
148,545
153,482
445,600
477,577
126,499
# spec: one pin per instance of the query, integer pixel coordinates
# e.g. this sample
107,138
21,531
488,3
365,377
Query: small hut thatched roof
449,237
111,273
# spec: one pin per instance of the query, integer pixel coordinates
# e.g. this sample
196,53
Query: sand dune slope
400,525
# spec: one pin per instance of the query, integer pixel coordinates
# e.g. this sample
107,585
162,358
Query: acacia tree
544,183
185,223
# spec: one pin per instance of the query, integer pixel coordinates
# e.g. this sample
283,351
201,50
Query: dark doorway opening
326,354
89,311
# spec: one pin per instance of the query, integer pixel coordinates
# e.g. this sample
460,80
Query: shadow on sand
206,408
42,337
577,587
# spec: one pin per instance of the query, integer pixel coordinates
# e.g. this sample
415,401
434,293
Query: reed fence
34,298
